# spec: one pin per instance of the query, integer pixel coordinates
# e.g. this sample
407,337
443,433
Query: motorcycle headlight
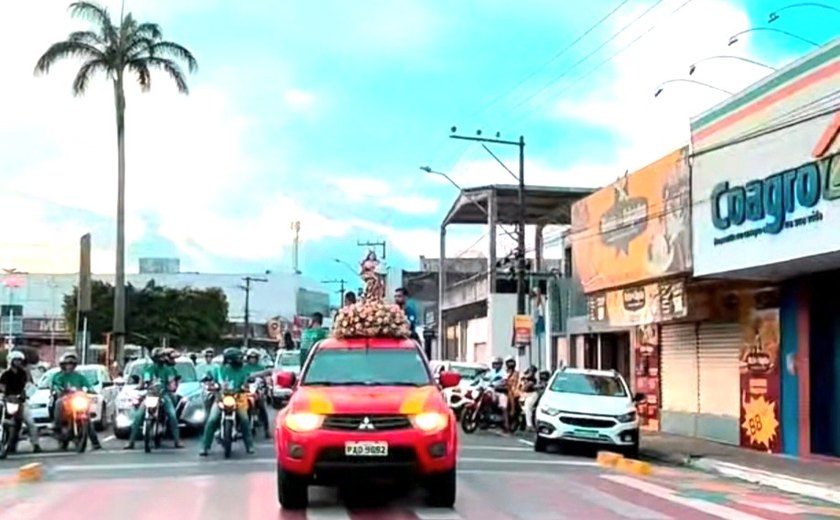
628,417
152,401
80,403
229,401
12,408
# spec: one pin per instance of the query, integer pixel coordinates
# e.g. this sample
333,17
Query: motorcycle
10,424
483,412
75,420
154,420
257,392
228,433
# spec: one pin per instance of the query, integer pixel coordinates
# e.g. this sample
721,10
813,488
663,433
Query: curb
618,462
26,474
796,486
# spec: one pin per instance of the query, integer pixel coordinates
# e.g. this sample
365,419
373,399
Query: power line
585,58
613,56
554,58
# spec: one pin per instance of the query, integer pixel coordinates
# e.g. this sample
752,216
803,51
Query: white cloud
299,99
186,160
622,99
382,194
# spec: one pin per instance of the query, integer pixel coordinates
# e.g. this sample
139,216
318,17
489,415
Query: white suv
588,406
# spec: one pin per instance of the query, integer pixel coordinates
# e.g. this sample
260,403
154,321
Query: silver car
286,361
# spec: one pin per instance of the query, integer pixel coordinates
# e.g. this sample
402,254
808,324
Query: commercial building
630,249
476,314
766,211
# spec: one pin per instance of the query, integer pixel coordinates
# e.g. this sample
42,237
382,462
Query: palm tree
118,51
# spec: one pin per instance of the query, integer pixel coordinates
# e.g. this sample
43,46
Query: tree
186,317
130,48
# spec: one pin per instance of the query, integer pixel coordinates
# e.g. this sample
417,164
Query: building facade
631,253
766,212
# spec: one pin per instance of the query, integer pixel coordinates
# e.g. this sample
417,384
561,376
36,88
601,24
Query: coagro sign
768,199
785,200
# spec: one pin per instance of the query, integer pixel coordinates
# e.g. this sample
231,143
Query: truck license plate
366,449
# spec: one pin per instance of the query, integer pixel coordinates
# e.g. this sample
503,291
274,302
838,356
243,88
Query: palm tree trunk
119,278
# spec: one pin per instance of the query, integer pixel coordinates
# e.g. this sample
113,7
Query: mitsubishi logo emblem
366,424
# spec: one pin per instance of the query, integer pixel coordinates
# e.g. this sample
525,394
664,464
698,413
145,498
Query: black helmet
68,358
544,375
157,354
232,355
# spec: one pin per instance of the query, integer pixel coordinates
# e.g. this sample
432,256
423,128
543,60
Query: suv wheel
292,491
441,489
540,444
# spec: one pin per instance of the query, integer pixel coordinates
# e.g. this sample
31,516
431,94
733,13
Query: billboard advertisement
636,229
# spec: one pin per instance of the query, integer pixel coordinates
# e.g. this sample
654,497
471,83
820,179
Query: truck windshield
367,367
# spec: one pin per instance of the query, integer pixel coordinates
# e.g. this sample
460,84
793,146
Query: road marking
703,506
327,513
435,514
69,468
525,442
616,505
109,438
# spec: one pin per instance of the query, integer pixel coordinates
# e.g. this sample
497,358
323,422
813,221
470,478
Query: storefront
766,192
631,250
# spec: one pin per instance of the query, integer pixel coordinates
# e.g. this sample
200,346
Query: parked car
102,405
190,397
588,406
286,361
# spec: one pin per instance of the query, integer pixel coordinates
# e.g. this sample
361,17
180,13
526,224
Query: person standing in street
288,341
13,383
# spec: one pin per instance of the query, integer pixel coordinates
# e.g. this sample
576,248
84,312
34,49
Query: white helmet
16,355
252,352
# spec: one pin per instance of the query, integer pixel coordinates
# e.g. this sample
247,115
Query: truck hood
367,400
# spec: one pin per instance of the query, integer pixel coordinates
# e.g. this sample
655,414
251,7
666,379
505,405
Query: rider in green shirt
233,376
64,380
158,371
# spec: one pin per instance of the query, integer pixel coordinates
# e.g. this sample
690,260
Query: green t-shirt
308,339
163,374
234,379
64,380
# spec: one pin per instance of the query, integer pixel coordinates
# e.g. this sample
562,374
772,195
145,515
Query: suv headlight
551,412
628,417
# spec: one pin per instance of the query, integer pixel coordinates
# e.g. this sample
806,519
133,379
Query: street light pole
341,285
520,239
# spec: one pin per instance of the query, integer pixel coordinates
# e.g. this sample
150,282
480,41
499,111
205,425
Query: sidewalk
813,477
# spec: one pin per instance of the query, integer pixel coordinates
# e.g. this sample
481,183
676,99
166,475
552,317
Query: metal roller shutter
720,383
679,377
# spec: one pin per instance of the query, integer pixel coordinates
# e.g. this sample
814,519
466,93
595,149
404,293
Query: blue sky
322,111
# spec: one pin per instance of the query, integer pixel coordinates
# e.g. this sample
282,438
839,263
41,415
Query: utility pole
342,283
247,288
520,239
296,246
380,243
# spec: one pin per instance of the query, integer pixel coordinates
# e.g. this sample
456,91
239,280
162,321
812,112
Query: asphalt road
499,478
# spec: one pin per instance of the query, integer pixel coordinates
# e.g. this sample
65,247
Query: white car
588,406
286,361
102,405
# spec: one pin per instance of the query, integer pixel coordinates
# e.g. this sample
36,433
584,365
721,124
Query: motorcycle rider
256,370
63,380
161,371
13,383
232,376
512,385
529,391
208,354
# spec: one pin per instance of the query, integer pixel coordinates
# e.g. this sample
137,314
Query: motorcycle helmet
496,363
253,353
232,355
68,359
510,362
17,355
208,352
544,375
